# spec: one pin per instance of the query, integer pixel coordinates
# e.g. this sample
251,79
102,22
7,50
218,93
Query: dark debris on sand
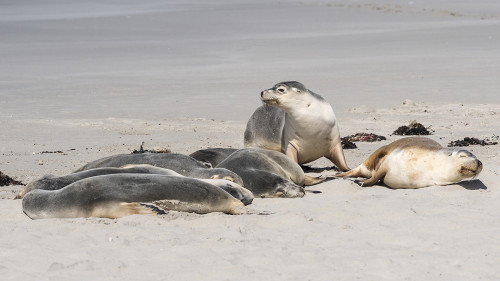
348,142
474,141
414,129
52,152
142,150
6,180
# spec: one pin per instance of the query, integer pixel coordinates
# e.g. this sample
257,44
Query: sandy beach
84,80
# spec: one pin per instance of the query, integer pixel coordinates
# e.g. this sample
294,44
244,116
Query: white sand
99,78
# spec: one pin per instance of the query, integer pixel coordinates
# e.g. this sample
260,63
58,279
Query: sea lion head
462,164
286,95
289,190
468,165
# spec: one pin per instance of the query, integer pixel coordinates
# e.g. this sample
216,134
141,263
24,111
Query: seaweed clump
414,129
6,180
347,144
473,141
154,150
348,141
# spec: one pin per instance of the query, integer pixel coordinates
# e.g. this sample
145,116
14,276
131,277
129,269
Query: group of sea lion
294,126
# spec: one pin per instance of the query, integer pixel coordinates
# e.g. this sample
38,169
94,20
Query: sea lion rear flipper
376,176
356,172
313,180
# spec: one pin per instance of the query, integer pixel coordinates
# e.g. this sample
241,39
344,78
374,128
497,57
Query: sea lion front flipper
336,155
292,152
114,210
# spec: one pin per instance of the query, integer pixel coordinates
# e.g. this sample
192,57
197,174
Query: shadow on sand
473,185
309,169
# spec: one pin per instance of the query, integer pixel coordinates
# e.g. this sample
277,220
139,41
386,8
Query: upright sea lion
49,182
118,195
297,122
415,162
182,164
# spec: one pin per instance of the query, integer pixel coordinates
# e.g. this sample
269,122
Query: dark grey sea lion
266,173
118,195
180,163
55,183
213,156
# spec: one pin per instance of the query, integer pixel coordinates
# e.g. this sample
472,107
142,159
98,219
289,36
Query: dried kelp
348,141
154,150
474,141
414,129
6,180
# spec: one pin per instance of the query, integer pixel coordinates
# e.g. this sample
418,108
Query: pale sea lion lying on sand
416,162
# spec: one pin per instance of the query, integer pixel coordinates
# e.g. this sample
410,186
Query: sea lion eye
281,90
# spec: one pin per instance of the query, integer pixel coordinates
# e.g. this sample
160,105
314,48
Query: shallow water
155,60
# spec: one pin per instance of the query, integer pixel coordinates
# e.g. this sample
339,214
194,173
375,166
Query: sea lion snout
290,190
267,92
471,168
479,166
270,97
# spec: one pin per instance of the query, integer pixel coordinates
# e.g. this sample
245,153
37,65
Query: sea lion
415,162
267,173
50,182
297,122
212,156
182,164
118,195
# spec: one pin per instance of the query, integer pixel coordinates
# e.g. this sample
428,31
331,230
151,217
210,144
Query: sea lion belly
415,168
311,131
